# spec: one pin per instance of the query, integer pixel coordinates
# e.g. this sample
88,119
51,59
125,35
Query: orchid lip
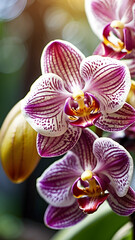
89,187
89,193
114,37
82,109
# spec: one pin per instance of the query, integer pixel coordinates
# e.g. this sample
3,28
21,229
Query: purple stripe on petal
43,106
131,65
56,146
117,121
83,149
56,182
100,13
114,162
125,11
127,39
108,80
124,206
58,218
63,59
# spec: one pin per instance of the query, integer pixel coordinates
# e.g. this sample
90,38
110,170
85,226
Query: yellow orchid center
131,94
113,36
84,104
87,175
93,189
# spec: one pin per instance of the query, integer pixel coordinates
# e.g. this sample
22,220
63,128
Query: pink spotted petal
63,59
56,146
83,149
58,218
56,182
91,204
100,13
43,105
113,161
108,80
117,121
124,206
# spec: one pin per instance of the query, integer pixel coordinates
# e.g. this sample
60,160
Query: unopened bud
131,94
18,151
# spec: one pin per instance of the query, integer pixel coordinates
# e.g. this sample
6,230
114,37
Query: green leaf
124,233
100,225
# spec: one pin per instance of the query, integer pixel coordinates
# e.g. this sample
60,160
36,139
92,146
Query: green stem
132,217
99,132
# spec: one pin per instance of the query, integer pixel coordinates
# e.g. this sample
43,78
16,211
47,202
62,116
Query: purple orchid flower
113,21
97,169
74,92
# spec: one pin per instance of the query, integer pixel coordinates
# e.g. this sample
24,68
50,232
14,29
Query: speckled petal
58,218
117,121
56,146
124,206
84,150
108,79
113,161
56,182
43,105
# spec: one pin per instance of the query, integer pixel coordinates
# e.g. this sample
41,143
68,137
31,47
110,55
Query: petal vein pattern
114,162
107,79
44,105
55,183
64,60
56,146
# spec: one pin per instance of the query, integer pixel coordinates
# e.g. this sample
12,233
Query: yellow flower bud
131,95
18,151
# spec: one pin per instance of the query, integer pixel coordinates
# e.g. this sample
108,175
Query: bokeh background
26,26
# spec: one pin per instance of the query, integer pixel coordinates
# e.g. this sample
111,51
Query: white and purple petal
58,218
129,60
117,121
63,59
124,206
83,149
108,80
113,161
125,11
55,184
43,105
56,146
100,13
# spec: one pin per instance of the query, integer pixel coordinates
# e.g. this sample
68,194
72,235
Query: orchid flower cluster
75,93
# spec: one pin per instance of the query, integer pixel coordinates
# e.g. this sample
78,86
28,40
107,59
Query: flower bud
18,151
131,94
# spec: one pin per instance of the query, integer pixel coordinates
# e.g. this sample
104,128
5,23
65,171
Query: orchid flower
113,21
97,169
74,92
